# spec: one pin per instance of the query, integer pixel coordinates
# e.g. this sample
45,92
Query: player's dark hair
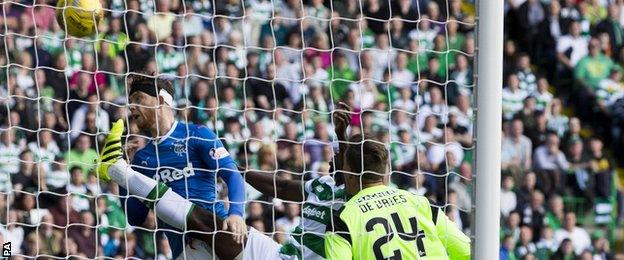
142,78
367,156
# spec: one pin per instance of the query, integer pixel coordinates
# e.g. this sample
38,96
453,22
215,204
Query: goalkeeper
186,157
379,222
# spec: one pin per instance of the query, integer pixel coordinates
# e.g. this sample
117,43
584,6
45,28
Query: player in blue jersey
180,213
188,158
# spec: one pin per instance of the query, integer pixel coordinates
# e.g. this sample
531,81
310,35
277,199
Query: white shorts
258,247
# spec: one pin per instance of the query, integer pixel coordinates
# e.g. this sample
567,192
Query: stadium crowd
265,75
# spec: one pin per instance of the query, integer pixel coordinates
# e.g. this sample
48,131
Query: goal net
265,76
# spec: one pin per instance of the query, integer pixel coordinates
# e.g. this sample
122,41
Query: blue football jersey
188,159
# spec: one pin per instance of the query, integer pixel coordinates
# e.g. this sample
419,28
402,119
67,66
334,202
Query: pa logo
6,249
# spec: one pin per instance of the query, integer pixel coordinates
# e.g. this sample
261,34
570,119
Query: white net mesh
265,76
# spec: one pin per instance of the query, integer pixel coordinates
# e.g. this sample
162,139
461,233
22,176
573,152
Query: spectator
609,90
527,188
572,47
401,76
291,220
9,150
533,213
601,169
160,23
112,246
463,187
574,131
31,214
550,163
528,80
78,190
58,177
553,27
555,214
513,97
525,246
44,149
542,95
611,26
13,232
462,79
317,10
419,187
79,118
47,240
27,178
591,69
116,37
110,207
600,246
88,77
506,251
539,133
403,152
436,106
366,94
527,114
577,176
565,251
547,245
557,122
511,227
510,52
458,216
508,196
81,155
265,94
379,10
436,154
340,75
85,235
578,236
519,148
169,57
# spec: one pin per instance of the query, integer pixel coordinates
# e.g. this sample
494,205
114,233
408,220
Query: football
79,18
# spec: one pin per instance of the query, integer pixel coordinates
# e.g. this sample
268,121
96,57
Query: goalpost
489,78
230,50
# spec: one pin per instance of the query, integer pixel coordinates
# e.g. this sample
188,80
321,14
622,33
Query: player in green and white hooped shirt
380,222
320,197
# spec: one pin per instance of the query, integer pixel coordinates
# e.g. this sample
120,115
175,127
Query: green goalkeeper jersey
381,222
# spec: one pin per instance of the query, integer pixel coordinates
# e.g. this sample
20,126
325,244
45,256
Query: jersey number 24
413,235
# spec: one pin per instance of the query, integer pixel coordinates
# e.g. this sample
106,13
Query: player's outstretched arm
217,158
271,184
341,118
